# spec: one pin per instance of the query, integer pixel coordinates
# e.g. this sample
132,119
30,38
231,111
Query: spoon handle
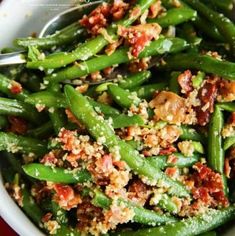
12,58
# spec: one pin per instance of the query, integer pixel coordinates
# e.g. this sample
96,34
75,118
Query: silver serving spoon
56,23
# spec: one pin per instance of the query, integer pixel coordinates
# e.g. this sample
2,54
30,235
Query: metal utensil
56,23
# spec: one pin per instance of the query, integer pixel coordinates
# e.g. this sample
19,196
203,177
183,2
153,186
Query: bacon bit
135,13
66,197
151,140
121,165
16,87
172,159
108,71
118,9
49,159
72,159
169,107
171,171
104,164
68,138
138,191
17,125
47,217
208,186
167,151
227,168
155,9
207,95
226,91
111,48
97,19
82,88
139,36
185,82
96,76
138,65
87,214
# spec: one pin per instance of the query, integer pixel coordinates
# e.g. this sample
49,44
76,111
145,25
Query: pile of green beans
63,95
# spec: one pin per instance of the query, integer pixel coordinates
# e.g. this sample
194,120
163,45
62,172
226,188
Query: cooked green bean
189,133
42,131
227,106
215,150
160,46
229,142
55,174
122,121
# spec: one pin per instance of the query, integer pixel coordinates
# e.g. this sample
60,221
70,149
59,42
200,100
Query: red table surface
5,229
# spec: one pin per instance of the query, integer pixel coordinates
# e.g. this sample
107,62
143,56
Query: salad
123,122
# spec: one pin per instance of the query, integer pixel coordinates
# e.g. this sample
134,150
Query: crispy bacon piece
167,151
118,9
185,82
171,171
138,65
155,9
226,90
139,36
16,87
65,196
68,138
208,186
49,159
17,125
207,95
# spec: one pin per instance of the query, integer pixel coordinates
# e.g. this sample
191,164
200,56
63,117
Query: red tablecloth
4,228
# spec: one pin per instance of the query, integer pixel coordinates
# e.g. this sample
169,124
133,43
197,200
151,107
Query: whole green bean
64,36
16,143
229,142
147,91
215,150
225,26
174,16
227,106
16,108
134,80
55,174
122,121
160,46
181,161
92,46
97,127
5,87
204,63
207,221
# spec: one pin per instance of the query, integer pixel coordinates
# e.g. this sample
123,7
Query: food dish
92,174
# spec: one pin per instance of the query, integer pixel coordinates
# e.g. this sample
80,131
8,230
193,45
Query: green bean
147,91
8,50
165,202
211,233
92,46
189,133
225,5
204,63
5,87
229,142
173,83
30,207
104,108
209,220
47,98
58,119
181,161
97,127
3,122
122,121
142,215
59,213
134,80
225,26
160,46
122,97
175,16
64,36
198,79
56,174
16,108
227,106
16,143
42,131
215,150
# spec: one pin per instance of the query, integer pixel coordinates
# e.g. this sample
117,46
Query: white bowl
19,18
